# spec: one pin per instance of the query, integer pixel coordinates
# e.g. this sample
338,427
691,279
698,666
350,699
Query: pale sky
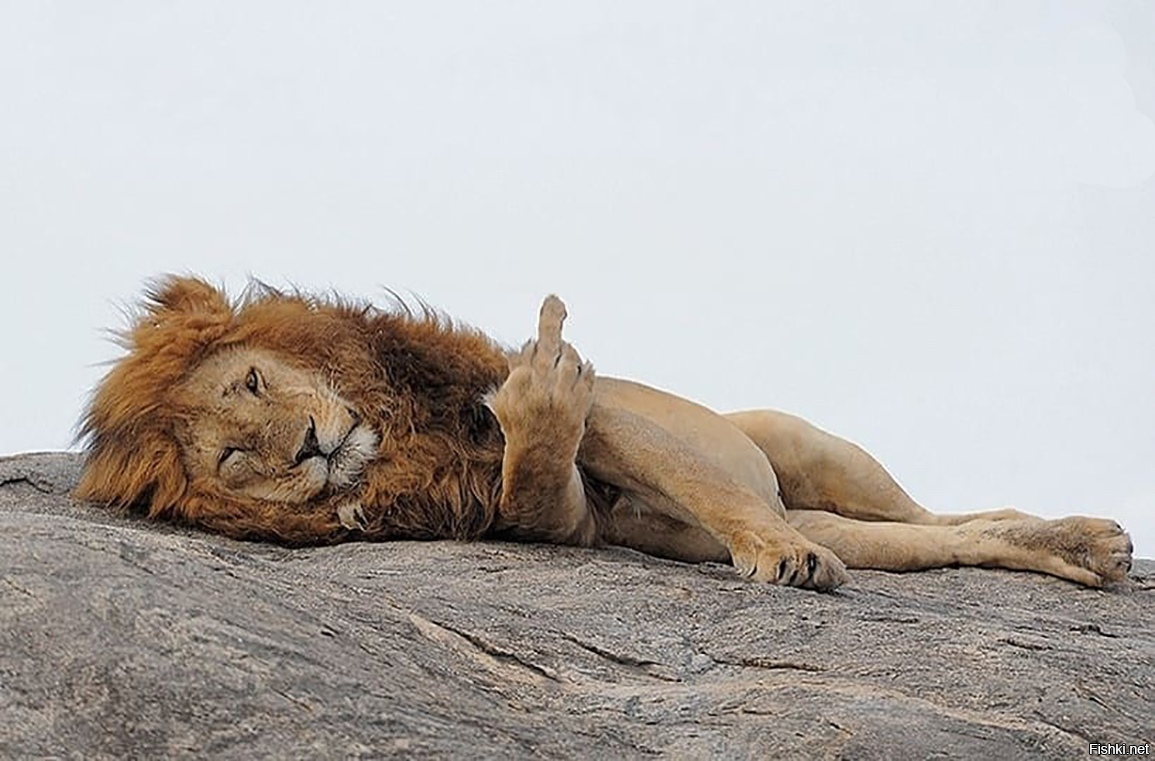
928,227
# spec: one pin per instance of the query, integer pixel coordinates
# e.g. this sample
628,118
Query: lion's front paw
549,391
788,562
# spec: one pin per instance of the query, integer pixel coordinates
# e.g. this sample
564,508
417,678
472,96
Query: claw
783,566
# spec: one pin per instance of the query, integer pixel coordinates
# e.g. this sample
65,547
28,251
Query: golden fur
304,420
415,380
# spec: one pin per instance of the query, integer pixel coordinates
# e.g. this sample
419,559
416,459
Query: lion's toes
551,316
550,320
825,570
1096,551
1105,548
549,391
787,563
572,375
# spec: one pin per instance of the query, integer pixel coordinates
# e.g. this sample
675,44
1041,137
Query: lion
309,420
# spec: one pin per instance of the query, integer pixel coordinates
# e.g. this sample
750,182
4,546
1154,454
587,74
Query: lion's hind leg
820,471
1089,551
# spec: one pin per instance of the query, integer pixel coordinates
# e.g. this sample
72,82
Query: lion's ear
126,472
184,295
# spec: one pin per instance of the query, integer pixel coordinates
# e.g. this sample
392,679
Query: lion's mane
415,376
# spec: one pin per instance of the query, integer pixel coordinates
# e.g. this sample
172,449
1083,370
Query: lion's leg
691,503
542,408
819,471
1089,551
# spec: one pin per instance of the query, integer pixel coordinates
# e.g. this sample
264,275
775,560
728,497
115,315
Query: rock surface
120,638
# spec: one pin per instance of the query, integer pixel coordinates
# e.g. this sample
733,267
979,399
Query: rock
121,638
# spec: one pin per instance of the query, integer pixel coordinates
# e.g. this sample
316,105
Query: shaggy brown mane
417,378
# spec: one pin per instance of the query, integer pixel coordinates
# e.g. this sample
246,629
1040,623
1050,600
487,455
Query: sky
927,227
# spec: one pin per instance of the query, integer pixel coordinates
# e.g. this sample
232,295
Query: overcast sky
928,227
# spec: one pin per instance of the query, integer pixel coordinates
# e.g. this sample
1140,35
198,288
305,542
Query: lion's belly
632,522
716,438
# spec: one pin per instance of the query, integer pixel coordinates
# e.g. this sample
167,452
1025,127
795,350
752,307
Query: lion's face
261,428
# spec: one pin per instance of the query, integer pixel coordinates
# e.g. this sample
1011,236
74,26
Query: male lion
306,420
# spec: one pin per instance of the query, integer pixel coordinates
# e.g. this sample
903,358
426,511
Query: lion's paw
550,389
1095,545
787,562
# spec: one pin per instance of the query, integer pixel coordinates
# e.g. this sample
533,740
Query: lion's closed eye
227,456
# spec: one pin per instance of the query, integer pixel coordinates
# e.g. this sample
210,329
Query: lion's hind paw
1094,552
1108,548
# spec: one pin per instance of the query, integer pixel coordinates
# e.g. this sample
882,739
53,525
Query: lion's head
253,426
261,418
199,416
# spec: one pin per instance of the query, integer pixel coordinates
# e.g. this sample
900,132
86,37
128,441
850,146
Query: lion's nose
310,447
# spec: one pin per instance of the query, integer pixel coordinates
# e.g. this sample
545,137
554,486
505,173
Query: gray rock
120,638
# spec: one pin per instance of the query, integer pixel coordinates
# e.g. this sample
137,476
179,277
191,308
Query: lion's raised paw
550,389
